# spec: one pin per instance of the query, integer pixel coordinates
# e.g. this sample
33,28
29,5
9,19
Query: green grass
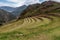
32,28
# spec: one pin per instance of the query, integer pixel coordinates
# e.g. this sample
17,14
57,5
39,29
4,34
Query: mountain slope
32,28
5,16
41,25
7,8
19,10
45,7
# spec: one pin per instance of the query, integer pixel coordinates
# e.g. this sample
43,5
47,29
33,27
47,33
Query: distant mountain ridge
7,8
19,10
8,13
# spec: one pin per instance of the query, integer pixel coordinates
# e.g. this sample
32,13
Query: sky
17,3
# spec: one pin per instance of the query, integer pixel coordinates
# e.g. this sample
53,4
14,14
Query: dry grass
32,28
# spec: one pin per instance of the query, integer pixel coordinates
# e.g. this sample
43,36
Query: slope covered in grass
32,28
34,25
43,8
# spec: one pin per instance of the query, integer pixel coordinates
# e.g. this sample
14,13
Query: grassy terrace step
25,21
11,26
36,19
21,32
28,20
39,18
47,17
37,23
14,25
54,14
46,28
34,29
33,22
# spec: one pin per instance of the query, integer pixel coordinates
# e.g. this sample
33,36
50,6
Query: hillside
42,27
7,8
5,16
37,22
44,8
19,10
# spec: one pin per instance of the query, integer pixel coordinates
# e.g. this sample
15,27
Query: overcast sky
16,3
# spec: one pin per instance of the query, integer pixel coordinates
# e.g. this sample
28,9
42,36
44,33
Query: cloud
22,2
4,4
16,3
57,0
7,4
12,3
31,2
13,0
